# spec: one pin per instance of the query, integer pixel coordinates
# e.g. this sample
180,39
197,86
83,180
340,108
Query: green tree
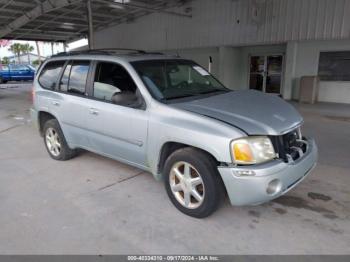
36,62
5,60
16,49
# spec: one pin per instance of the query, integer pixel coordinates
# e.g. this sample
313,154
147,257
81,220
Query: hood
252,111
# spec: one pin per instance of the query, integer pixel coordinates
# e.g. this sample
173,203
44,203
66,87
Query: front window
111,80
173,79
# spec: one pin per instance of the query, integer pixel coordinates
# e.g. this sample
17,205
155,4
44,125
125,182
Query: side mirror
125,99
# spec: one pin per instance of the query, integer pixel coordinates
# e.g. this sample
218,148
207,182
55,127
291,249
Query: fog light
274,187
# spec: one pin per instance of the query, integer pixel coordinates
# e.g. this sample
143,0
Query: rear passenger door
48,81
117,119
70,103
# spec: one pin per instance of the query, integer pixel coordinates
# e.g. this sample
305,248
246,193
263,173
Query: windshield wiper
178,97
212,91
197,94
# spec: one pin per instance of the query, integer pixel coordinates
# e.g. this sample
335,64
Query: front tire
55,141
193,183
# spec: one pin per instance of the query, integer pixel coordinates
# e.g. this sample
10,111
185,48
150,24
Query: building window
334,66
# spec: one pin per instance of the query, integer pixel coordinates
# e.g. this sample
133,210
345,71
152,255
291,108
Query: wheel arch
170,147
43,117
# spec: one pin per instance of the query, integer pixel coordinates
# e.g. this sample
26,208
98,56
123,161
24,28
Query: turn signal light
242,152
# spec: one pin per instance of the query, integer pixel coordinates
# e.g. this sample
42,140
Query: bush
35,62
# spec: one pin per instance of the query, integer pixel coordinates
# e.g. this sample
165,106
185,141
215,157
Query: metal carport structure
69,20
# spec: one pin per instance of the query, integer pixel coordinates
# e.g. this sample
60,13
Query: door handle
93,111
55,103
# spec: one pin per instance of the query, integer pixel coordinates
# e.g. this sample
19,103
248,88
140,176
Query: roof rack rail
105,51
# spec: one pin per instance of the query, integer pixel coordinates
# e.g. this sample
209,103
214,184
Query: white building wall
232,30
231,69
233,23
336,92
289,69
306,64
25,59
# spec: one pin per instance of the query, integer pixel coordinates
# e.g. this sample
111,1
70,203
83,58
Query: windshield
173,79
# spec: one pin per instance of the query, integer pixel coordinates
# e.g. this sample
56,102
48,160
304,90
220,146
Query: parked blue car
16,73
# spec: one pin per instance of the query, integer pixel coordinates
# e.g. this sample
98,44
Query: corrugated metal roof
66,20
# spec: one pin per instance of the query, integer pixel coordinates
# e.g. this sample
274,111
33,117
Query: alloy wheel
53,141
186,185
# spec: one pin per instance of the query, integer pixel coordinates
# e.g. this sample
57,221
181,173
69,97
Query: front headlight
252,150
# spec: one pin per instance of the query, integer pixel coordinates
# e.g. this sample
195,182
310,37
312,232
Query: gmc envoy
170,117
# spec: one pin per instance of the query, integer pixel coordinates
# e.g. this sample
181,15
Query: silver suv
170,117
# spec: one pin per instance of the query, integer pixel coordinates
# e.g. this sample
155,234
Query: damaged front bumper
270,180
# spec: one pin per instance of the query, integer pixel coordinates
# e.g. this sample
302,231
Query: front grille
290,146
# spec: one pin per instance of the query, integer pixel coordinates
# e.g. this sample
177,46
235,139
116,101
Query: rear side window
77,77
19,67
50,73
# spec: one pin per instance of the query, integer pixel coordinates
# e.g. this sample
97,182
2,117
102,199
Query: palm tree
27,49
16,49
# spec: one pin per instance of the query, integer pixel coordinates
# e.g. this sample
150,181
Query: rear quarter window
50,74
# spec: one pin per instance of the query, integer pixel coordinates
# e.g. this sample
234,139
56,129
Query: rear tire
198,191
55,142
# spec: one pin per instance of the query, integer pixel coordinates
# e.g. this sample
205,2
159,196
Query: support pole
91,29
51,48
38,51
